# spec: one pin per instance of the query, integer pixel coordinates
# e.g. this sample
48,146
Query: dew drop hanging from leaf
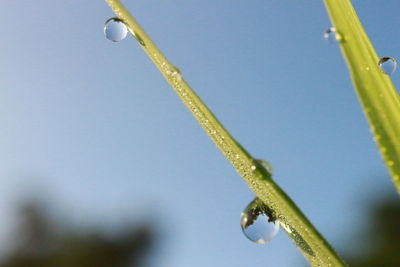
258,222
332,36
388,65
115,30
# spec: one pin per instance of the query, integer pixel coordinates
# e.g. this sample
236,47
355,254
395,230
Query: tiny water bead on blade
332,36
115,29
175,73
258,223
266,165
259,165
388,65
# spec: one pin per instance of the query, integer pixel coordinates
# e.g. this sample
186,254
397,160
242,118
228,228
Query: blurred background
102,165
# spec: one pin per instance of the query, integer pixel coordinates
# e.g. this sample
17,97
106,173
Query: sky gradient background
93,127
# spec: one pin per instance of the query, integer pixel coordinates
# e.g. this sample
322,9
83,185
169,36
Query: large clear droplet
258,223
388,65
115,30
332,36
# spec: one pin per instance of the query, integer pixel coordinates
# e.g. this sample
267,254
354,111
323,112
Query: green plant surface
314,247
379,98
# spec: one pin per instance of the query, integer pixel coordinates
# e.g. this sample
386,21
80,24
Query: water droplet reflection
258,223
115,30
332,36
388,65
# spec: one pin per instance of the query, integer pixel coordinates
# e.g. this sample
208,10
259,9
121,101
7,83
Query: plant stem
379,98
311,243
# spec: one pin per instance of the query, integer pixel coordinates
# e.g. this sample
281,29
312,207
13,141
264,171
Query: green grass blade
379,98
314,247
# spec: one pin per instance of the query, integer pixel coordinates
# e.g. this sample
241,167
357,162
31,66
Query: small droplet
388,65
177,76
266,165
115,30
261,168
332,36
258,223
175,73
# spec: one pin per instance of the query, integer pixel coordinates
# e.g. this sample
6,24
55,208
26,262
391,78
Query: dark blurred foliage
41,243
384,234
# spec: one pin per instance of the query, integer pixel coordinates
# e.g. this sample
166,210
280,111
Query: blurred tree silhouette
40,243
384,234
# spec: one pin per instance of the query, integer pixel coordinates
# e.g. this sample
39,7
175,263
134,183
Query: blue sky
93,126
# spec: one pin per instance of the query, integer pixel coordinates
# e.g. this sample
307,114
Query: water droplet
115,30
175,74
266,165
262,167
258,222
332,36
388,65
